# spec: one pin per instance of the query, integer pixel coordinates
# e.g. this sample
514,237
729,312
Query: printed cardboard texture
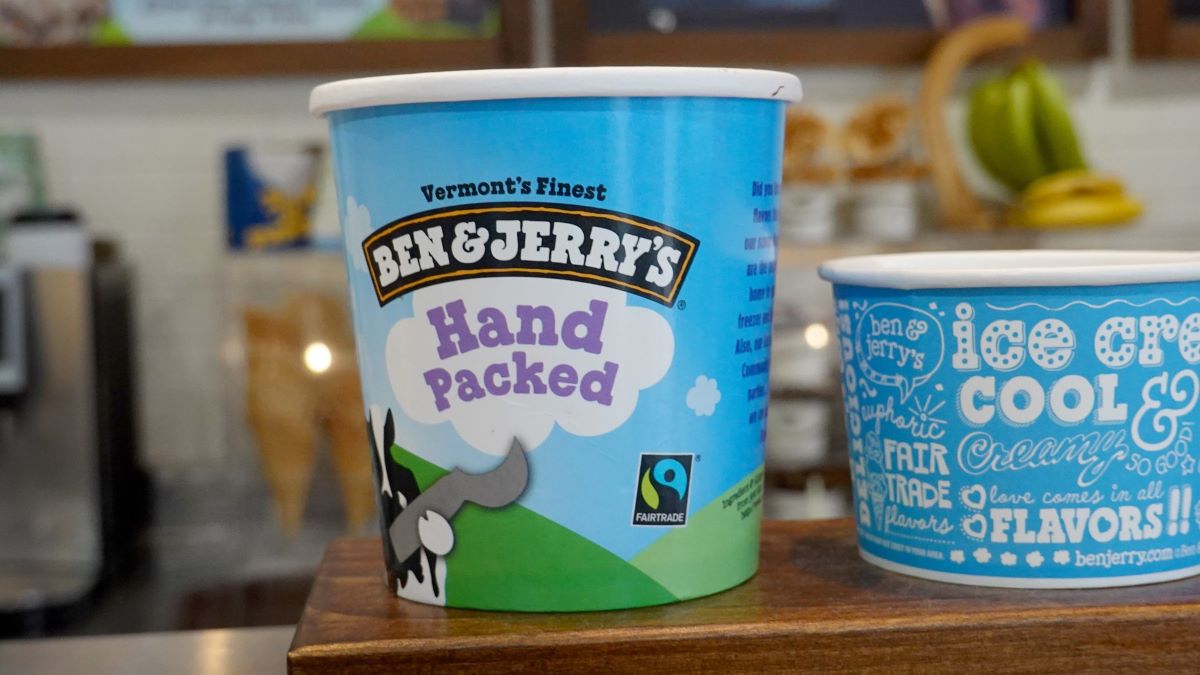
1027,437
563,312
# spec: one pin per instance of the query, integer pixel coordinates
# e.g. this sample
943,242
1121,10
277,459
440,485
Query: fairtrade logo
662,491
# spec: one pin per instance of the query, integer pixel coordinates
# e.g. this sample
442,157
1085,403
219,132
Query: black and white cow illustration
416,525
420,576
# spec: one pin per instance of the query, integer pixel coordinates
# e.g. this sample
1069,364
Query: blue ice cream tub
562,285
1023,419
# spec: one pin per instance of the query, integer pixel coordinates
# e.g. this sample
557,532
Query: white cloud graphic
704,396
357,223
982,555
1008,559
638,341
957,555
1035,559
1062,557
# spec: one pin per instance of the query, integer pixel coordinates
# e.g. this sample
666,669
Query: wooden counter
814,605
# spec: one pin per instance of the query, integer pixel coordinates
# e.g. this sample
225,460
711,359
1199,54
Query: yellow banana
1080,211
1076,183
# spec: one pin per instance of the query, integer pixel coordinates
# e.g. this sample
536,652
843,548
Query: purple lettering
468,386
528,375
438,380
528,314
592,324
495,378
597,385
493,328
562,379
455,327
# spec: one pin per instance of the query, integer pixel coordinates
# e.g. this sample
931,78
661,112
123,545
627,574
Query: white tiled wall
143,161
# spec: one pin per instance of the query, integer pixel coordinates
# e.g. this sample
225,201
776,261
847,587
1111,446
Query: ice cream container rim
1012,269
521,83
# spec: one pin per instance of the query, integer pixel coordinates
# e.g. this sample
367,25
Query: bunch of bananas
1021,130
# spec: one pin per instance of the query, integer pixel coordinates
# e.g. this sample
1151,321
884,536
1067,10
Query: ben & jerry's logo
511,239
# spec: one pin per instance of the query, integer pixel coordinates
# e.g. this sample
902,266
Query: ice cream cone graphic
878,494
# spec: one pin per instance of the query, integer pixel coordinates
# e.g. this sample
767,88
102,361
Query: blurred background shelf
248,59
1079,32
511,47
1166,29
668,39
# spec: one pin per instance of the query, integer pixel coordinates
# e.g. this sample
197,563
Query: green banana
1052,119
1021,149
1020,127
985,128
1003,133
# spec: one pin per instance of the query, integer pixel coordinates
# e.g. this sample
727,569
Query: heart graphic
973,497
975,526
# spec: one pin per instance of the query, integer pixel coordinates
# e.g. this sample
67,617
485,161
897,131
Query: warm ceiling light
318,358
816,335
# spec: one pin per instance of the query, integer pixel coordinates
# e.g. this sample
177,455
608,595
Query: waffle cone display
290,400
286,451
344,428
323,319
280,408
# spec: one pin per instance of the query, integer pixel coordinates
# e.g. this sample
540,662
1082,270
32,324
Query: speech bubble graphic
898,346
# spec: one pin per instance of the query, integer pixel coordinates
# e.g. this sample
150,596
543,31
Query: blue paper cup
562,283
1024,419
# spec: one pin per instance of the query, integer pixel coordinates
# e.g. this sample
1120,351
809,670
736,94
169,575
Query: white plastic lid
983,269
483,85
